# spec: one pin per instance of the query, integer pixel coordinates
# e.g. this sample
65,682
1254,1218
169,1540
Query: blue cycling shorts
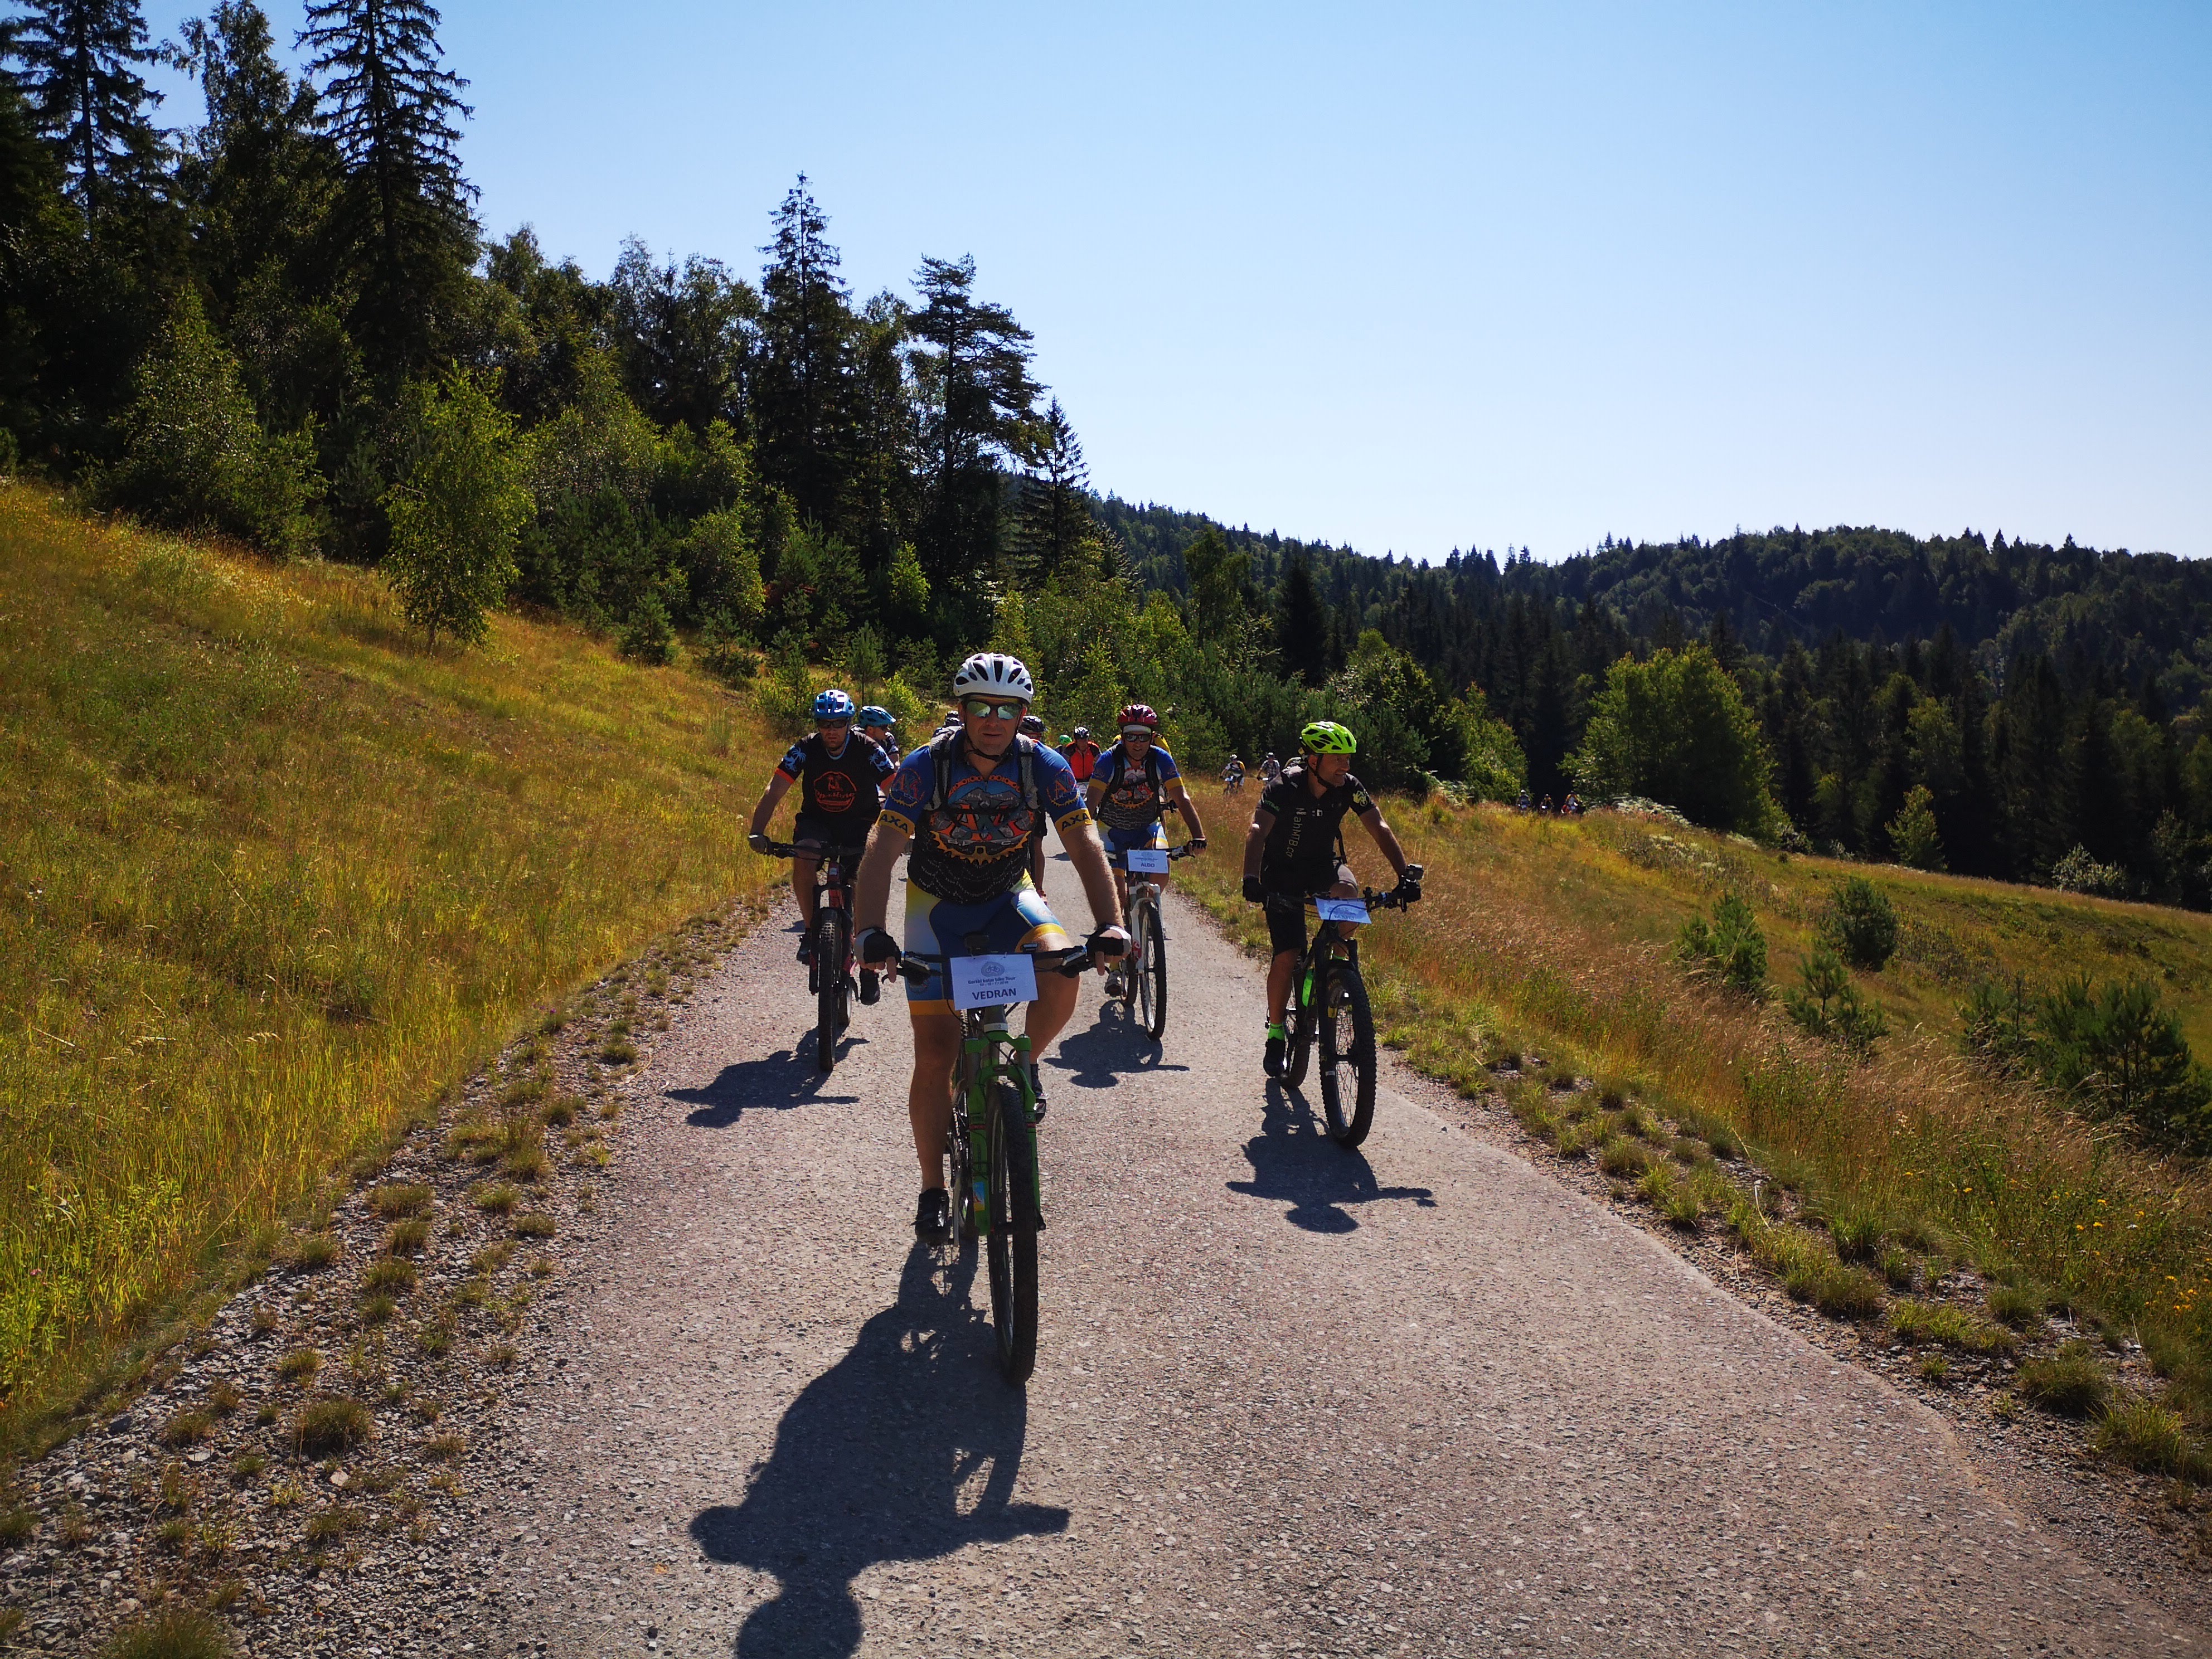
1121,842
1018,919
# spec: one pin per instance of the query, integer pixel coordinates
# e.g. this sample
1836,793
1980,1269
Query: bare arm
771,798
1255,840
1183,803
872,890
1386,838
1088,854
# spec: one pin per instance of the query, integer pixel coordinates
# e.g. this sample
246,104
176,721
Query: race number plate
993,982
1148,860
1341,909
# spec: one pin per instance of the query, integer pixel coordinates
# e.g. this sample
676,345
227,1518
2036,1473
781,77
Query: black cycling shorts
851,829
1286,914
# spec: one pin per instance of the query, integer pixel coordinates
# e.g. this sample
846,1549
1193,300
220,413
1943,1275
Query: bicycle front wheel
1013,1247
1348,1057
1148,964
830,980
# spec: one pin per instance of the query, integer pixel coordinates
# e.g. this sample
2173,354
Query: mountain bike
995,1182
1330,1009
1144,969
829,979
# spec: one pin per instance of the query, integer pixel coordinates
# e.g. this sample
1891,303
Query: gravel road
1419,1399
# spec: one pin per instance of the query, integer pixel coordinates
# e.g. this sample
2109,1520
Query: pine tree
977,399
88,99
801,423
1054,522
1301,630
402,230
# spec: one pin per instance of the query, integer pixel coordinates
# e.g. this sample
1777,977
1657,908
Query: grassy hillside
272,876
1552,938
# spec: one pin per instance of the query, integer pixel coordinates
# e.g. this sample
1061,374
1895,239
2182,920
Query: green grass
1550,937
325,1427
2070,1383
273,877
177,1633
1941,1325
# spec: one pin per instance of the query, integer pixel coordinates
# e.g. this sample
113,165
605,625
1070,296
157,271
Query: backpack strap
943,750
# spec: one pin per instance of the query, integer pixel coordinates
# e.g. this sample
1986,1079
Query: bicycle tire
830,998
1348,1055
1013,1243
1302,1036
961,1178
1150,969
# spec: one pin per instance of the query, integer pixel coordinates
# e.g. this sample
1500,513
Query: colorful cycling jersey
976,846
843,786
1082,758
1302,842
1131,798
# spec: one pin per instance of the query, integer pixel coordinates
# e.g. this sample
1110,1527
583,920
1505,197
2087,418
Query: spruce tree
1054,518
1302,629
802,427
401,233
82,58
977,399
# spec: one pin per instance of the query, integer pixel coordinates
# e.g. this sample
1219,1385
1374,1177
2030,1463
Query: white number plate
993,982
1341,909
1148,860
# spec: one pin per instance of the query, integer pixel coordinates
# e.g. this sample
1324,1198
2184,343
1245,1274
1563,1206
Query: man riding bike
1129,793
876,724
973,804
841,780
1081,755
1296,848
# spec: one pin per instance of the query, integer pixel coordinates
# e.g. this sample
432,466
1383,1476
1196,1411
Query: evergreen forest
288,325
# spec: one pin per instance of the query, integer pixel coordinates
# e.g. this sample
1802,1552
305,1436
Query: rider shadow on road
1293,1160
906,1449
1097,1055
777,1082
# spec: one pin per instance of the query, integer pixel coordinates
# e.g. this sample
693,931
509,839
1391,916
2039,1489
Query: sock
1275,1031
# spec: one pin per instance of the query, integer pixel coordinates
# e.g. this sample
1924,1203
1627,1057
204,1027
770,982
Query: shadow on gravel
1295,1162
784,1080
904,1450
1099,1054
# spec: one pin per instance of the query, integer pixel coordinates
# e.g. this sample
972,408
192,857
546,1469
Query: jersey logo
834,792
982,821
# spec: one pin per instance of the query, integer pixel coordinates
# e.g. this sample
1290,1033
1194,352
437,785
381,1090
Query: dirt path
1418,1400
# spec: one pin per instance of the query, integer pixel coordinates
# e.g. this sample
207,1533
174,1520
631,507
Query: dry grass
1550,937
274,877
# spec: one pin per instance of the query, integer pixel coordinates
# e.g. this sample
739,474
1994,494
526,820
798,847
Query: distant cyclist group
970,809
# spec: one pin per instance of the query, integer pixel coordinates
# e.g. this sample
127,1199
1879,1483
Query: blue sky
1414,276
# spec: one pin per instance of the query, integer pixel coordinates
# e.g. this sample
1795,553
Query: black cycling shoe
806,946
932,1217
1037,1089
1272,1063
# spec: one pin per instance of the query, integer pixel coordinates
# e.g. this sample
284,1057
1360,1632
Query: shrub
2070,1383
2120,1053
455,518
1913,833
195,453
649,637
1728,948
2078,872
1828,1006
1861,925
1677,728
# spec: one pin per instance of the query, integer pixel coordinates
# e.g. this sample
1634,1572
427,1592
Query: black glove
761,844
875,946
1409,885
1255,893
1198,843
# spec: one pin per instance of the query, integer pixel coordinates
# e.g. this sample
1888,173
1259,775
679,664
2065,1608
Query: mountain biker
1270,769
1134,783
1233,774
841,790
876,724
1081,755
973,804
1296,848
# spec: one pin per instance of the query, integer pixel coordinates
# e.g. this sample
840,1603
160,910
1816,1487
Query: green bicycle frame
989,1052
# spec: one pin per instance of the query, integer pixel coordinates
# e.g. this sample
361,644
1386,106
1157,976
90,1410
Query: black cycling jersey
841,791
1305,843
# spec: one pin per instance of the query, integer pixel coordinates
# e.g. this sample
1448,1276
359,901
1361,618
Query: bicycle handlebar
1120,860
1071,963
1390,899
786,850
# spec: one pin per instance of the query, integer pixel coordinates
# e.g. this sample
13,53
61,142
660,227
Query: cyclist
875,725
1134,784
1232,776
1081,755
1270,769
973,804
841,790
1296,848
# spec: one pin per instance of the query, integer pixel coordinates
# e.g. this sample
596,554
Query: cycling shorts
1018,919
1286,916
1122,841
849,830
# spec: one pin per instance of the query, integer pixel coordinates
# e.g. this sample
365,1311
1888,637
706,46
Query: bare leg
802,887
1049,1014
929,1096
1281,971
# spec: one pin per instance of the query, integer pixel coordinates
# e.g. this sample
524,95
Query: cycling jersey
1135,795
1306,843
1082,758
976,845
838,793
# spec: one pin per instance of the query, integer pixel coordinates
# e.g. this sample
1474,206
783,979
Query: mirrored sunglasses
983,709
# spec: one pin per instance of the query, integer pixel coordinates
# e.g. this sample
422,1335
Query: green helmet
1328,738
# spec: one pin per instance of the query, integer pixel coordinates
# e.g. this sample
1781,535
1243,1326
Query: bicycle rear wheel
1013,1246
1148,966
1348,1057
829,979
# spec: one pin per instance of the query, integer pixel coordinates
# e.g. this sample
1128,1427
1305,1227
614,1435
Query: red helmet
1139,714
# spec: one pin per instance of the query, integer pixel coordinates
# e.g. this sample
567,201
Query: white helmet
994,673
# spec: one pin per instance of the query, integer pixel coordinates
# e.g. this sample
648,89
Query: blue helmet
833,705
872,715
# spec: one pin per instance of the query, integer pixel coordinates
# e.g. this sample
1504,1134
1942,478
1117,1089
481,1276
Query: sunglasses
983,709
1144,731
